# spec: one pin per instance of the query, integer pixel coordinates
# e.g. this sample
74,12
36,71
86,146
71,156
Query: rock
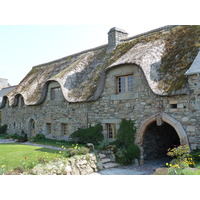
99,165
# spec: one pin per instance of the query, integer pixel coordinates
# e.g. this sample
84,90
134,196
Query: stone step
110,165
102,155
105,160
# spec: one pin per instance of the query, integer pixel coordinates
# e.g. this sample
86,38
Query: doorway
158,139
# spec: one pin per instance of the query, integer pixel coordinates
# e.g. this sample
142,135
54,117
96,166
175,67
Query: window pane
111,130
130,83
55,93
122,84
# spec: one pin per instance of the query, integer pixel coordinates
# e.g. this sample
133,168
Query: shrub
72,152
182,159
23,137
196,155
15,136
126,156
82,151
89,135
3,129
38,138
126,133
126,151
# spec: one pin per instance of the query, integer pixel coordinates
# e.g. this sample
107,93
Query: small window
111,131
173,106
56,93
125,84
64,129
49,128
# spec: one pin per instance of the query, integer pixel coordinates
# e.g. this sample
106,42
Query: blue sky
24,46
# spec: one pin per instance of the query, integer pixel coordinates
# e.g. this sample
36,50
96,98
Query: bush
38,138
15,136
127,155
196,155
3,129
126,133
89,135
82,151
127,151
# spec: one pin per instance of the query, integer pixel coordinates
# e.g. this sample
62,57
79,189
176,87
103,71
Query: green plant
2,169
182,159
82,151
126,133
104,143
196,155
22,137
126,151
3,129
127,155
89,135
38,137
179,152
15,136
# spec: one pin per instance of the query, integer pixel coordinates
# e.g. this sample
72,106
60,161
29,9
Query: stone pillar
115,36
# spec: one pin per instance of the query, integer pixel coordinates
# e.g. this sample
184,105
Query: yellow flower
167,164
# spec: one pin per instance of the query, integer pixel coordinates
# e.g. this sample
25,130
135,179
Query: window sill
124,96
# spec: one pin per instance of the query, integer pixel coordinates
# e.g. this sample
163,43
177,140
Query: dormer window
125,84
56,93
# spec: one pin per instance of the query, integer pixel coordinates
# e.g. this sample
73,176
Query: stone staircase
107,162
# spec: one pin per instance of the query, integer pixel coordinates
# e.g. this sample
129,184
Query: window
56,93
125,84
64,129
49,128
111,131
173,106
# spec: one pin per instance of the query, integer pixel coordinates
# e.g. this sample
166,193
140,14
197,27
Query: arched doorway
32,127
158,139
154,139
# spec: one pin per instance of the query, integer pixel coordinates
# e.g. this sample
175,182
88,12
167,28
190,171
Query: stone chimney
3,83
115,36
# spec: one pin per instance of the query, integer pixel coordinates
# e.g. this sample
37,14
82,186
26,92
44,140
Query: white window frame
126,87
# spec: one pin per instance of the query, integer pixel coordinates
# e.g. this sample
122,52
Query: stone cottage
152,78
4,89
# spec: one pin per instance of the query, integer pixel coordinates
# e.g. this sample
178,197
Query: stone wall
76,165
111,107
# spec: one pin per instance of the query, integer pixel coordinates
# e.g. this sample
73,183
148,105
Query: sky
25,46
39,31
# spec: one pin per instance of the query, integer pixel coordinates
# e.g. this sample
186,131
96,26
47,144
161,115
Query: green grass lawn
26,156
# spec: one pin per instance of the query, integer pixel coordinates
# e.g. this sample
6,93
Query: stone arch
176,125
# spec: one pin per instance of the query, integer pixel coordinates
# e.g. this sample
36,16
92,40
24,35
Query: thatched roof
164,55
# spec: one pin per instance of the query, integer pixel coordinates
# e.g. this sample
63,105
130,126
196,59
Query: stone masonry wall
77,165
111,107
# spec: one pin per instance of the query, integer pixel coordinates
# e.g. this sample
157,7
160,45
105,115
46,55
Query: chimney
115,36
